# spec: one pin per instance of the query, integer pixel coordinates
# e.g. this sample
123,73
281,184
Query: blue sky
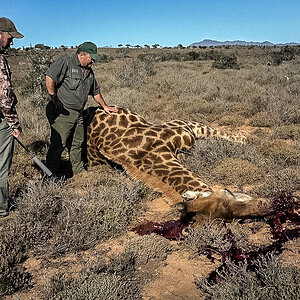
165,22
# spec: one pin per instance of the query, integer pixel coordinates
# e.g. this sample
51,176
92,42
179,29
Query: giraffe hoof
192,195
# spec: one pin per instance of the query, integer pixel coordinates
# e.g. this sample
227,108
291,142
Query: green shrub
119,277
283,153
285,54
208,237
33,84
237,171
286,180
13,277
270,280
288,132
134,72
262,119
225,61
145,249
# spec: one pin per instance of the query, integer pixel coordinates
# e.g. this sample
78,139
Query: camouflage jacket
8,99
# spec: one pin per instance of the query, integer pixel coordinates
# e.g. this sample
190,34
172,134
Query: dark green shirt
73,86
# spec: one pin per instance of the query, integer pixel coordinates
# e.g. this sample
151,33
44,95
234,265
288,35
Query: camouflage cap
6,25
90,48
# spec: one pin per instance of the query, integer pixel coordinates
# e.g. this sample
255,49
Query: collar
88,70
77,60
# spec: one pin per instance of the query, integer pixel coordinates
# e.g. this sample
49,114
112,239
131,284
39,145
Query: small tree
64,47
34,83
225,61
41,47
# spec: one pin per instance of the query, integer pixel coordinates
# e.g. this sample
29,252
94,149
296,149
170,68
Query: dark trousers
66,126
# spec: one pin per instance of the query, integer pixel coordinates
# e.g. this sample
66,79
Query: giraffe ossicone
148,152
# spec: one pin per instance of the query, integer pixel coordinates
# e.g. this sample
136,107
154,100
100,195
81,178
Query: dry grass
270,280
57,217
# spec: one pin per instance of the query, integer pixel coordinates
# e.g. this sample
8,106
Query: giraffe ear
242,197
237,196
226,192
192,195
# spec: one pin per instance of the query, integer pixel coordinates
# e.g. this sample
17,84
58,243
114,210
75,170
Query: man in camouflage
9,122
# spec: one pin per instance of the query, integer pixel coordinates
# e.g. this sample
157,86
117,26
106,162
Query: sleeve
58,69
8,99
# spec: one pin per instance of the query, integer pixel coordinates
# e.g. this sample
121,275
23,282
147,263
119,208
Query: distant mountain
208,43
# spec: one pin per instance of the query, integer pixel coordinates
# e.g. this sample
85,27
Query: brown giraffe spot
151,133
133,141
133,119
123,122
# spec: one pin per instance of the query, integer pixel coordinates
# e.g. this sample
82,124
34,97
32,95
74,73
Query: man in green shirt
69,81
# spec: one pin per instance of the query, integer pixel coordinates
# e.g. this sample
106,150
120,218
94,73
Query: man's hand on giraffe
110,109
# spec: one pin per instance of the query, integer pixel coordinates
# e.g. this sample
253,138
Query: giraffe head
222,203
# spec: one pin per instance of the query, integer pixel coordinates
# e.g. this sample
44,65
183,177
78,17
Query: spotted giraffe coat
149,152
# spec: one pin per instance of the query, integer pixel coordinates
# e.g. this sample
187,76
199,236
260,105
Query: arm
99,99
50,84
8,99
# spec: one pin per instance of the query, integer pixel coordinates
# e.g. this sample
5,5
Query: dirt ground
173,278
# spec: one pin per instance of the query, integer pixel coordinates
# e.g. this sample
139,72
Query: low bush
148,248
119,277
269,280
33,84
225,61
286,180
285,54
98,283
104,58
207,155
13,276
233,120
287,132
283,153
104,285
52,220
262,119
209,237
134,72
237,171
